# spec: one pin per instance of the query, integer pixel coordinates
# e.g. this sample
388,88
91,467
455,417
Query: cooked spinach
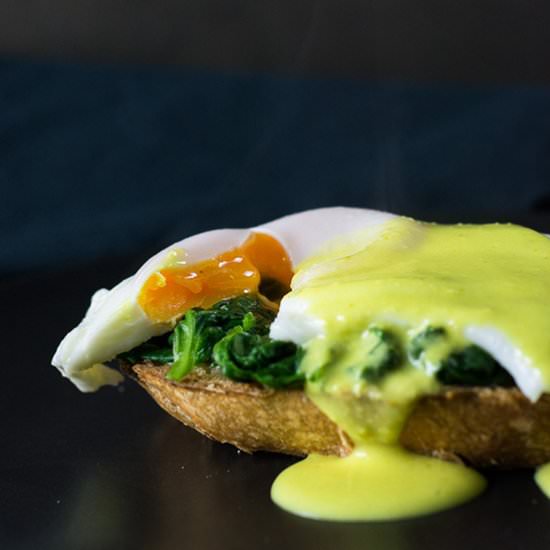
244,354
384,354
469,366
472,366
233,335
424,339
194,338
156,350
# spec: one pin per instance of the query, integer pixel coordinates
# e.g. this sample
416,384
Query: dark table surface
111,470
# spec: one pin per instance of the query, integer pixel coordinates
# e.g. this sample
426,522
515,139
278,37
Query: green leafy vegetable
470,366
473,366
423,340
194,338
383,356
244,354
199,330
233,335
157,350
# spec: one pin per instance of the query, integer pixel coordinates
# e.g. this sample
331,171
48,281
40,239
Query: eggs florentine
380,307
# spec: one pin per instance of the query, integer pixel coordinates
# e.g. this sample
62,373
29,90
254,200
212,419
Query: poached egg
142,306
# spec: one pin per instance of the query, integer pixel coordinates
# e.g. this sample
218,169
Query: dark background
125,125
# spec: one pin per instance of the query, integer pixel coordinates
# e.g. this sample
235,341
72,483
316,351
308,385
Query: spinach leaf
157,350
383,356
198,331
233,335
423,340
194,338
472,366
246,355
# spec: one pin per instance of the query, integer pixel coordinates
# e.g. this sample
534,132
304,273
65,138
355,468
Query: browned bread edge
482,426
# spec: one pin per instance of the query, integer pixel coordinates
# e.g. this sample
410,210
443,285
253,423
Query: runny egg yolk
170,292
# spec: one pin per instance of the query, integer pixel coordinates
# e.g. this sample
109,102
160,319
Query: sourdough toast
480,426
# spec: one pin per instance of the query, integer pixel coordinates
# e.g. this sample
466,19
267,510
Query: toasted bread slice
481,426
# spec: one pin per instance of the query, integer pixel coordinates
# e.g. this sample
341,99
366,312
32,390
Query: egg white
115,322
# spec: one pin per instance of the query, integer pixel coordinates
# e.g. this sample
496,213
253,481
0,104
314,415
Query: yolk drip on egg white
171,291
408,276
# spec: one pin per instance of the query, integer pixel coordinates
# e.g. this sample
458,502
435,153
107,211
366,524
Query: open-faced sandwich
395,353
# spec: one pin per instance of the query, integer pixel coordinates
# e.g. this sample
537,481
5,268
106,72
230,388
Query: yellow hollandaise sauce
375,482
384,310
408,275
542,478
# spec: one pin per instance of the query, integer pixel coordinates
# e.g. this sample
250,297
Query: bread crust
485,427
251,417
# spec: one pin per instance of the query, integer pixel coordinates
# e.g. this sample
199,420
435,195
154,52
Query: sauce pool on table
375,482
